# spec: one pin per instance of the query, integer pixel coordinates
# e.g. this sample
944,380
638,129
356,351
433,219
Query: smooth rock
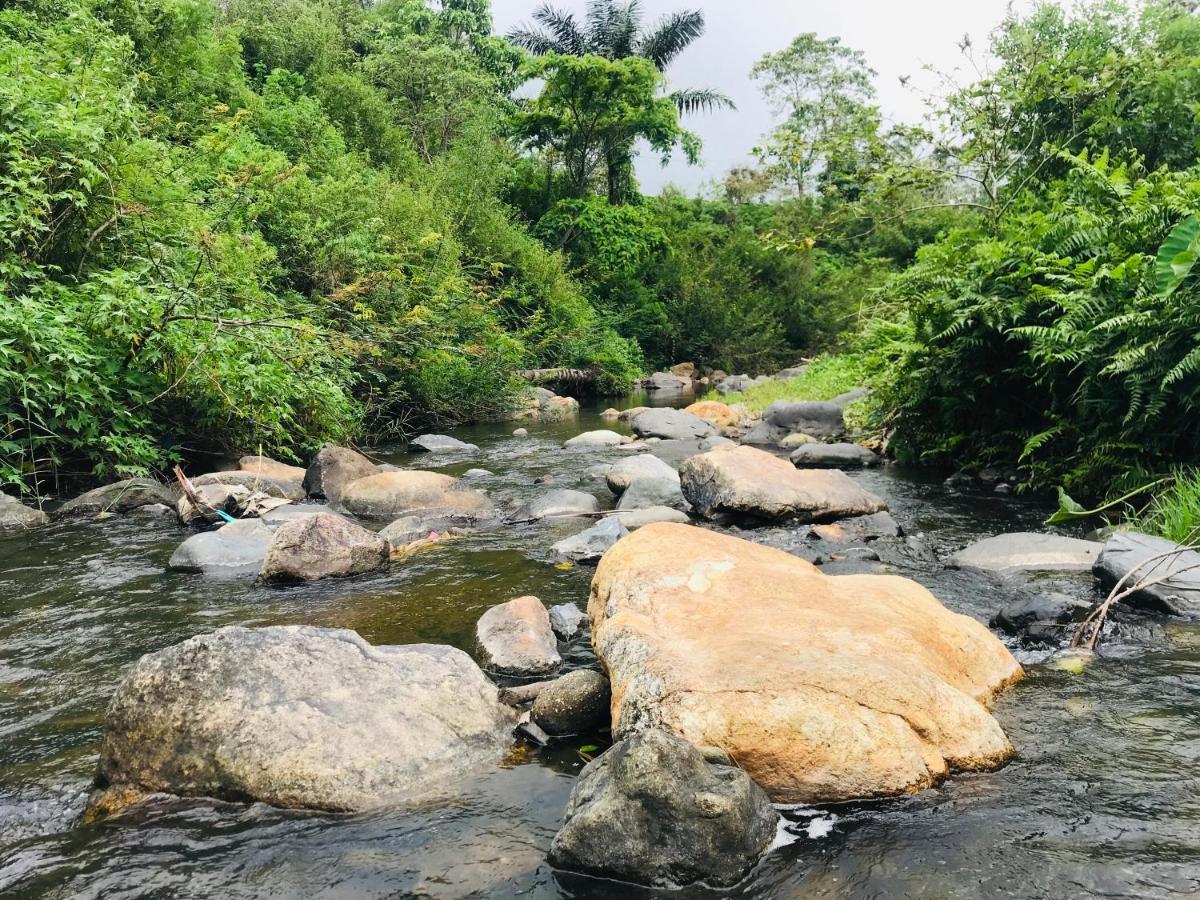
833,456
577,703
266,467
592,543
520,432
565,620
475,474
735,384
684,370
334,468
16,516
597,472
408,529
300,717
516,638
811,417
119,498
851,396
859,528
1177,578
792,441
634,519
440,443
559,503
633,412
611,414
763,434
1028,552
791,372
654,811
254,482
290,512
323,545
389,495
671,424
1058,609
823,688
649,491
235,550
719,414
743,481
664,381
621,474
595,439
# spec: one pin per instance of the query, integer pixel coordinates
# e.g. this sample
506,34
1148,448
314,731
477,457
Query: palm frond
695,100
563,30
534,40
671,36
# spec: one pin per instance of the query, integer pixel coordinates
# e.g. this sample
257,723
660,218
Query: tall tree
616,30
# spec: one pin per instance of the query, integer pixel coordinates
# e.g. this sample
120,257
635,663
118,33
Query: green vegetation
1174,513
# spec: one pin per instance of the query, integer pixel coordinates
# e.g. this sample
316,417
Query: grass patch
1175,513
824,379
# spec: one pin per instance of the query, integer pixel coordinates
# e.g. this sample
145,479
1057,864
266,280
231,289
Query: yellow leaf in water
1072,664
565,566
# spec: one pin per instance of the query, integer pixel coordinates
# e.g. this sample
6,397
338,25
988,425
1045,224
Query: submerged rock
1028,552
1041,610
266,467
671,424
516,638
118,499
1176,578
440,443
16,516
592,543
654,811
561,503
577,703
407,529
811,417
566,619
299,717
235,550
743,481
834,456
323,545
823,688
389,495
334,468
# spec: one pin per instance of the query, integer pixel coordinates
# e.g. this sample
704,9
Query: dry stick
571,515
1097,616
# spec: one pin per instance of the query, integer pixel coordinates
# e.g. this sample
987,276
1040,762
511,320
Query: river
1103,798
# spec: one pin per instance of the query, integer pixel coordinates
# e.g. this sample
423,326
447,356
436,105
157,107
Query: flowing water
1103,798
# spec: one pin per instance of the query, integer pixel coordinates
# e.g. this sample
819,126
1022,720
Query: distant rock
664,381
792,441
284,489
592,543
440,443
520,432
595,439
719,414
543,405
566,619
576,703
1177,577
734,384
266,467
516,638
559,503
1028,552
654,811
633,412
790,373
16,516
834,456
390,495
684,370
323,546
844,400
235,550
611,414
118,499
298,717
811,417
671,424
334,468
746,482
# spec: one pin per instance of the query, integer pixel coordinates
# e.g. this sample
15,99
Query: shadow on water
1102,799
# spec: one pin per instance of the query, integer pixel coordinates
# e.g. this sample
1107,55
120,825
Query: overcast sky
898,38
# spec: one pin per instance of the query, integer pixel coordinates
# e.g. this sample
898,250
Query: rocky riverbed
1092,797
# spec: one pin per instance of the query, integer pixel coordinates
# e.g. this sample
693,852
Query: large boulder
715,413
323,545
281,488
654,810
648,491
576,703
389,495
266,467
592,543
1169,574
234,550
515,638
745,482
811,417
823,688
560,503
543,405
1028,552
119,498
764,434
16,516
595,439
299,717
833,456
671,424
735,384
440,443
665,381
621,474
334,468
409,529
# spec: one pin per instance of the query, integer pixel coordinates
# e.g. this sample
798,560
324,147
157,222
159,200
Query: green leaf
1068,510
1177,256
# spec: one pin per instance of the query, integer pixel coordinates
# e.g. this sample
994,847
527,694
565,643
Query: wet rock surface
592,543
561,503
516,638
577,703
334,468
118,499
390,495
833,456
671,424
235,550
323,545
16,516
1028,552
1170,576
441,443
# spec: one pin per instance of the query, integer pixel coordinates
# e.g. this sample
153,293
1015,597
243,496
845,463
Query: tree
615,31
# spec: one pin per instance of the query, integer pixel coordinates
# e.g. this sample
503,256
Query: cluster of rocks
543,405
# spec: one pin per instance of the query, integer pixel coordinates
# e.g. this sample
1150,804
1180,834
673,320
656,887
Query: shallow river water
1103,798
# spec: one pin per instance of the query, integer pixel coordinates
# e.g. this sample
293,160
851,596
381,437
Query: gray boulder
16,516
390,495
735,384
281,488
298,717
118,499
844,400
633,519
1052,609
577,703
407,529
811,417
440,443
1028,552
666,381
790,373
763,434
833,456
557,504
334,468
290,512
475,474
516,638
648,491
671,424
620,475
565,620
1176,587
323,545
860,528
591,544
235,550
654,811
595,439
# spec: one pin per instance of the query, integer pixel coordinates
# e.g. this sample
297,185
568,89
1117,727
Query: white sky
898,38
